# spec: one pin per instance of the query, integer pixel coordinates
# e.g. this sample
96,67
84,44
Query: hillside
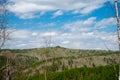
55,59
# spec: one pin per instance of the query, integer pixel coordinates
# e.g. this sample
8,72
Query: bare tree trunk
3,22
8,71
45,69
4,33
118,21
47,51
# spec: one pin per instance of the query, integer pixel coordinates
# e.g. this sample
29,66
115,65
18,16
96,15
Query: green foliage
52,68
2,61
96,73
35,77
85,73
17,50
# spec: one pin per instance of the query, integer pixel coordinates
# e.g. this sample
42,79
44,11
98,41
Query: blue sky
79,24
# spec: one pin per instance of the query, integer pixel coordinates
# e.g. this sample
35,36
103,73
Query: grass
96,73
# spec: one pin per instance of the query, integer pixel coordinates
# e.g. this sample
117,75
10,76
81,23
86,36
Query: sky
77,24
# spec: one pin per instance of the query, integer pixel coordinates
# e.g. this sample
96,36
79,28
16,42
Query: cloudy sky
79,24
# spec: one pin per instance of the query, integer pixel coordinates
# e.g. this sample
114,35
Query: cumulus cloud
49,34
81,25
20,34
80,34
90,24
106,22
29,8
21,39
86,34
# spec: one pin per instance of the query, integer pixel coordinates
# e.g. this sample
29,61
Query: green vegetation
59,63
84,73
60,50
2,61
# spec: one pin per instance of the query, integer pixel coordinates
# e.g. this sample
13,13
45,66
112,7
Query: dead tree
47,52
4,33
118,21
3,23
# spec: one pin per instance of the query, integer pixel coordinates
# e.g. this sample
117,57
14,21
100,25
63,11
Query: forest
59,63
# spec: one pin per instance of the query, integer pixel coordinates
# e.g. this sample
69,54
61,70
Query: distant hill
58,59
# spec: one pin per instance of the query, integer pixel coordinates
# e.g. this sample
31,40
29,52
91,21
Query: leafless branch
3,23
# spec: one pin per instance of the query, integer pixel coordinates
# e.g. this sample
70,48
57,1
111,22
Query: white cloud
89,21
90,24
29,8
46,25
106,22
82,34
65,42
89,9
86,34
34,34
49,34
26,15
57,13
20,34
81,25
21,45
